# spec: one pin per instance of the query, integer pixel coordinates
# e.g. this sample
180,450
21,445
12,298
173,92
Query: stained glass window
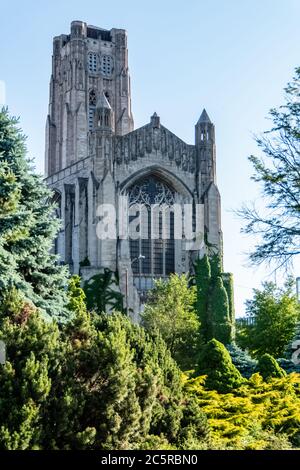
153,252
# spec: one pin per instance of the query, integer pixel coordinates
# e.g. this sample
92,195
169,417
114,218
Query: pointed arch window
152,251
56,201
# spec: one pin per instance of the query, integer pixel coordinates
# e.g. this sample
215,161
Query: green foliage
76,295
100,382
276,312
241,360
127,392
170,310
85,262
268,367
215,362
202,282
257,415
102,294
278,174
27,227
228,284
221,328
214,309
216,265
32,348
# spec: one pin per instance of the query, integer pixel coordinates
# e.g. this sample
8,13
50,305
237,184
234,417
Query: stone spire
204,118
155,120
104,116
205,130
103,103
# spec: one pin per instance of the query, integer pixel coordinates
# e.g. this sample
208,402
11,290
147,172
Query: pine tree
32,346
118,389
27,227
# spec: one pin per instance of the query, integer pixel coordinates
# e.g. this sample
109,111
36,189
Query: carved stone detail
147,140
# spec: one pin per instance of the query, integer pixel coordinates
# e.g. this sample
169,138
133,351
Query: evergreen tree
118,389
221,328
32,346
214,310
215,362
241,360
268,367
27,227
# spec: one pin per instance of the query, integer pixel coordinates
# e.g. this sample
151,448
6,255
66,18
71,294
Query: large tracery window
153,251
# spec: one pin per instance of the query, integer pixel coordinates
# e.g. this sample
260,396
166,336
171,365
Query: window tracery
106,65
152,256
92,62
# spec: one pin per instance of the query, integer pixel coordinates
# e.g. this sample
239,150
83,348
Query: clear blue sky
232,57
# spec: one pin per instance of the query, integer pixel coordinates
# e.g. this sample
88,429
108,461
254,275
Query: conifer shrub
215,362
214,302
268,367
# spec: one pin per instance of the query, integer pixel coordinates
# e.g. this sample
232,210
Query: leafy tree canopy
275,312
278,174
170,310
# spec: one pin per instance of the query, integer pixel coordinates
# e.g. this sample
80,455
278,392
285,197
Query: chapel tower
87,63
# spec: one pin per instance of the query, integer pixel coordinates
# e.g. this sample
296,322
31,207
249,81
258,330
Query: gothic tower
86,63
95,161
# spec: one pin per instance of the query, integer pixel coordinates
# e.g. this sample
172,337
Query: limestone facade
94,156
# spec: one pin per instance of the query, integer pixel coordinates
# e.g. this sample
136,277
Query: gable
154,140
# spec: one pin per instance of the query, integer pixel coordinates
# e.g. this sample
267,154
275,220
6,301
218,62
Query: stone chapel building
94,155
